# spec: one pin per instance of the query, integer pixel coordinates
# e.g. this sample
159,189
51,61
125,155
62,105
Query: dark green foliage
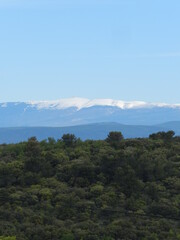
163,135
114,138
69,140
93,190
7,238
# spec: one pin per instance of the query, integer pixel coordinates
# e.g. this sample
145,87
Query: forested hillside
127,189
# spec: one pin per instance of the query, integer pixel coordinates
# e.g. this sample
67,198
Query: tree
69,139
32,148
167,136
114,138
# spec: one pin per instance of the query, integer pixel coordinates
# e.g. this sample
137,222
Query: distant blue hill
95,131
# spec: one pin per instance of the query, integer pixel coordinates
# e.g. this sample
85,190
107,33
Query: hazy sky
120,49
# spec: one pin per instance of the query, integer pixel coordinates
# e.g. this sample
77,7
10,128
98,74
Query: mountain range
78,111
87,119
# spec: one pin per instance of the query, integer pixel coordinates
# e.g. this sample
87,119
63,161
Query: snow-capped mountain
81,103
76,111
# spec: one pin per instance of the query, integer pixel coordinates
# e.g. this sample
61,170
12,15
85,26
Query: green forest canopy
91,190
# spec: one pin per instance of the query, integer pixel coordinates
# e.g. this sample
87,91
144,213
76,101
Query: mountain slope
69,112
90,131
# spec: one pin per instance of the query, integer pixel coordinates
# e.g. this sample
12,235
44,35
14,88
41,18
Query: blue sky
120,49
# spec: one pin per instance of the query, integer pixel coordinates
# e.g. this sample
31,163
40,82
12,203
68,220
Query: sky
120,49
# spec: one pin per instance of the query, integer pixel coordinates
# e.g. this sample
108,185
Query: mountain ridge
94,131
81,103
78,111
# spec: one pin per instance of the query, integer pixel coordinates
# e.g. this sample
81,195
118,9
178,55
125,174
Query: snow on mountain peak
80,103
60,104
